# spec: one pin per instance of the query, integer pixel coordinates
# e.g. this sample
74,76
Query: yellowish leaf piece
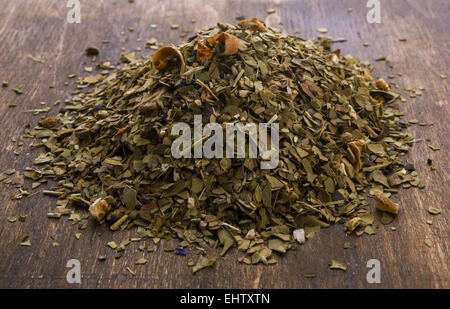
381,84
383,203
337,265
254,24
352,224
49,123
203,262
367,76
356,148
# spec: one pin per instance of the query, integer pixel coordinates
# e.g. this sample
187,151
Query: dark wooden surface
40,28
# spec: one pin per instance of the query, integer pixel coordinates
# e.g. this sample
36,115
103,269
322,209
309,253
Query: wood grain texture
40,28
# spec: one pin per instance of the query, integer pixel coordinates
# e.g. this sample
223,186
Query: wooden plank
41,30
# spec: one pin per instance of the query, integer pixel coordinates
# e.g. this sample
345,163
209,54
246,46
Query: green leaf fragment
203,262
337,265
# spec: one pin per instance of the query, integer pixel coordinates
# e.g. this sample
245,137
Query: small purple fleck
180,251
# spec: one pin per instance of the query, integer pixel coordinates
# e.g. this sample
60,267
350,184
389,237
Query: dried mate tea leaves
337,265
386,218
133,273
26,243
353,223
434,148
101,258
12,219
433,210
226,240
112,244
277,245
109,150
35,59
203,262
141,261
18,90
49,123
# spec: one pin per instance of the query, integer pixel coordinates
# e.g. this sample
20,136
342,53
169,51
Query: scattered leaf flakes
18,90
26,243
203,262
433,210
337,265
434,148
141,261
130,271
112,244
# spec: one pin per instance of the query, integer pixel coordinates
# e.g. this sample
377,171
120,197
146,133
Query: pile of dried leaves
109,149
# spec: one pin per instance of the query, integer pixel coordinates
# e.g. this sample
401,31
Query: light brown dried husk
99,209
253,23
203,53
230,42
162,56
383,203
382,84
